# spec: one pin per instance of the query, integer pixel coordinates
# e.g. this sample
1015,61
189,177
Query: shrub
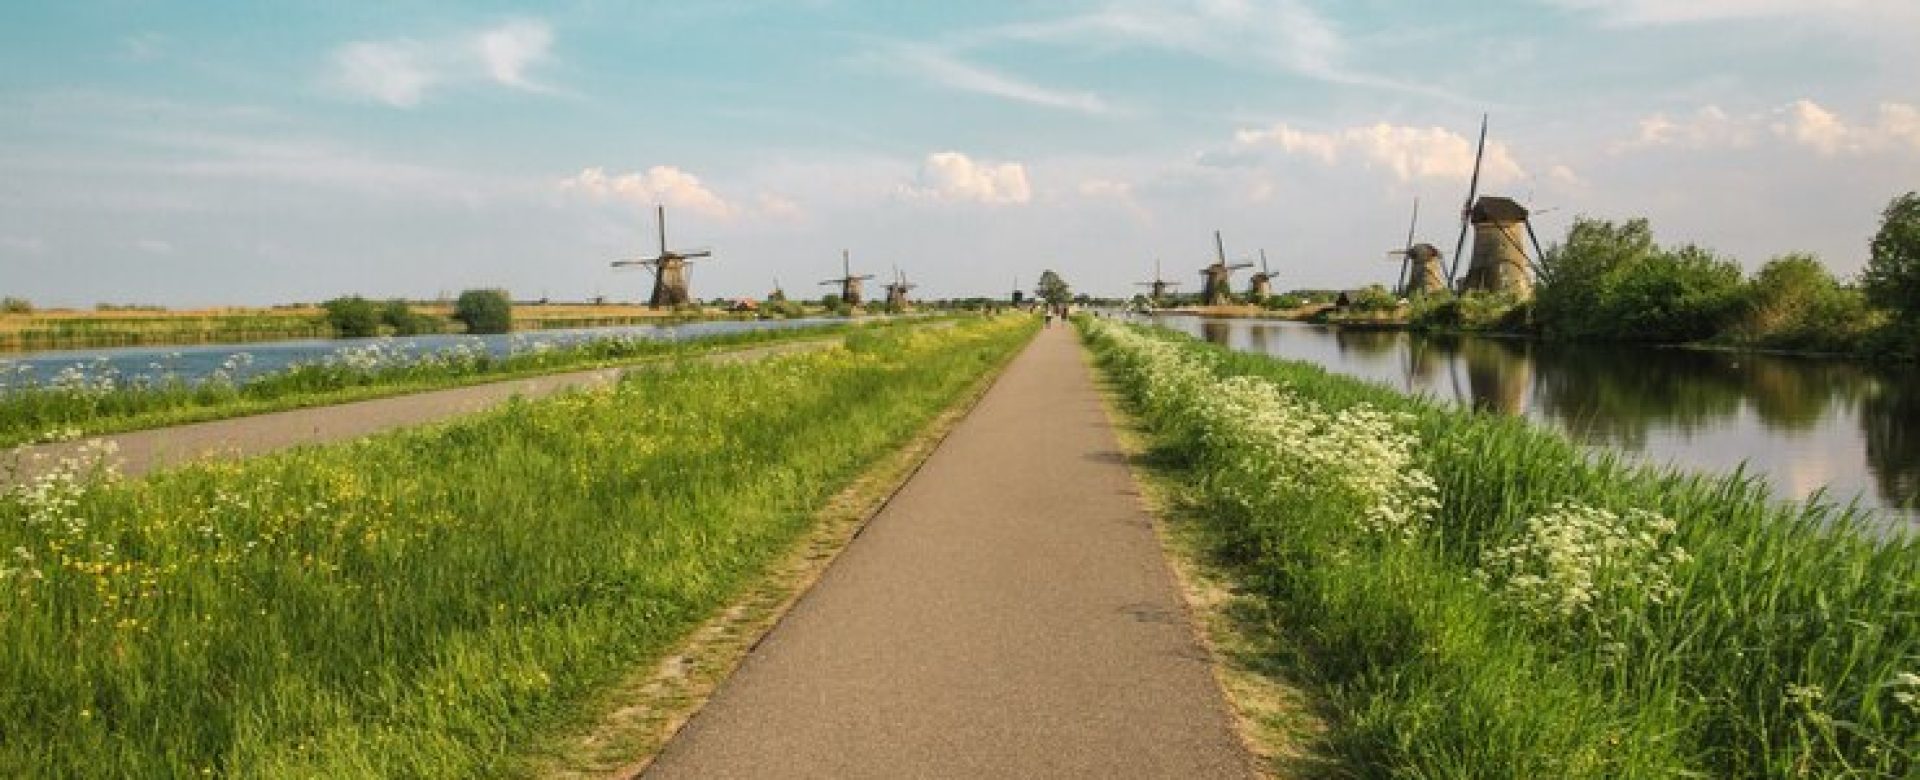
484,311
12,305
1794,303
1575,276
1683,295
1286,301
404,321
352,317
1374,298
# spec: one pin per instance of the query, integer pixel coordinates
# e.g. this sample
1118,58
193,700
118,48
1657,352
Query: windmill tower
1216,280
897,292
849,283
1157,289
669,269
779,294
1499,262
1018,295
1421,272
1261,287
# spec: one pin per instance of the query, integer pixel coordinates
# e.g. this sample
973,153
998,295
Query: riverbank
429,602
1471,593
61,329
63,410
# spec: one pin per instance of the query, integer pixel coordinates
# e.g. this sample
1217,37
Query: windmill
1158,287
1499,262
669,269
1018,294
849,283
779,294
1261,288
1216,280
897,291
1420,270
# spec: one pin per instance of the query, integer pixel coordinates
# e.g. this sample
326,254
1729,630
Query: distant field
72,328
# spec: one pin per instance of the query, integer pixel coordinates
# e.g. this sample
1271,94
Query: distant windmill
1499,262
1216,280
1262,286
897,291
779,294
1018,294
1420,269
669,269
1159,286
849,283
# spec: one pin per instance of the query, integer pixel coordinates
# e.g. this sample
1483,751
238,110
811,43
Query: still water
195,363
1802,423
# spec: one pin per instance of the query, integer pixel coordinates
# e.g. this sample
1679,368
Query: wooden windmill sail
669,269
1261,288
1499,262
897,292
1421,272
1158,288
849,283
1216,280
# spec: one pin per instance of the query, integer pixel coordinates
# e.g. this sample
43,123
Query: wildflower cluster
1576,560
1267,447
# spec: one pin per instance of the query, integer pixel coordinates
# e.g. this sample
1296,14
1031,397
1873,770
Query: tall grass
418,604
79,402
1477,597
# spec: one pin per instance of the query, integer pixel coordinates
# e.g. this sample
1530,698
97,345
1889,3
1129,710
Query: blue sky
261,152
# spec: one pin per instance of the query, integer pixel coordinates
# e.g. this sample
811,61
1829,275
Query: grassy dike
1471,596
89,408
423,603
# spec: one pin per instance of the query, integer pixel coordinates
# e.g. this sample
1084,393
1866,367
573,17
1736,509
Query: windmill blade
660,212
1219,247
1406,257
1263,262
1473,189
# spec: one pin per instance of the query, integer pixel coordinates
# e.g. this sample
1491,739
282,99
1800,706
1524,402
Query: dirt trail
144,451
1009,614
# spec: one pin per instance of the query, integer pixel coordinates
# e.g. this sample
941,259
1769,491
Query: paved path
144,451
1009,614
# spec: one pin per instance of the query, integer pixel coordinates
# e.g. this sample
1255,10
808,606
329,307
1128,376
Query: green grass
1783,643
422,603
50,410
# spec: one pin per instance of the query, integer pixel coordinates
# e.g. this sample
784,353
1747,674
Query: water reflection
1804,423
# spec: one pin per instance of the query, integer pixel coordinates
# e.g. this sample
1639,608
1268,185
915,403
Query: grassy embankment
422,604
1471,596
84,405
129,327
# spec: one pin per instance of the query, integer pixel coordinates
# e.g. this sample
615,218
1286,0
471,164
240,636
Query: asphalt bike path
140,452
1008,614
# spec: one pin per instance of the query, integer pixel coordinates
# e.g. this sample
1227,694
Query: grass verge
1471,596
425,603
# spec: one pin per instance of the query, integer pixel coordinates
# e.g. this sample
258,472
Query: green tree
1892,277
12,305
1575,276
1053,289
484,311
352,317
404,321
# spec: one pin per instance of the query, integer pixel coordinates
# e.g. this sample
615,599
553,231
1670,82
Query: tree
352,317
404,320
1576,276
12,305
484,311
1892,278
1053,289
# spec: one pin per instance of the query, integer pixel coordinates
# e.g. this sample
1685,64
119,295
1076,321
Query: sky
229,153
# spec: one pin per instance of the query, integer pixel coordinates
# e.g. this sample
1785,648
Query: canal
240,362
1804,424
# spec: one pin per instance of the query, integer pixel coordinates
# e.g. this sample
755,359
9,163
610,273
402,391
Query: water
1804,424
196,363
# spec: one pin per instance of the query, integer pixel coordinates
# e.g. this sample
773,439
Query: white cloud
661,184
951,72
955,176
778,207
1896,128
1635,13
1408,152
400,72
1285,34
